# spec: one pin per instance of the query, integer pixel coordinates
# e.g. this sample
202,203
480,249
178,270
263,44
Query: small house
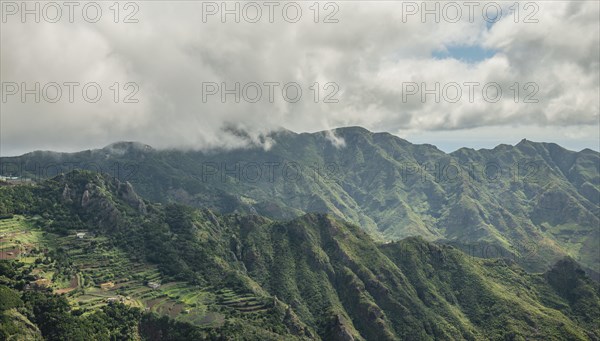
80,235
154,285
112,300
118,298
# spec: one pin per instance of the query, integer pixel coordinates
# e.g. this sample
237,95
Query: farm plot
91,272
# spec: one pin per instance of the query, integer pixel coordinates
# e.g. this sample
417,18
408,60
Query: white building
154,285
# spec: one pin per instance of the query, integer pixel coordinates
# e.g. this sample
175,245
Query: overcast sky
371,60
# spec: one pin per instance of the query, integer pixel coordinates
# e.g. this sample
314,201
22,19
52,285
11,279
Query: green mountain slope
533,202
248,276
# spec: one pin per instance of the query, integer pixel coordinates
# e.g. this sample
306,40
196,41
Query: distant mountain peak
123,147
524,142
351,130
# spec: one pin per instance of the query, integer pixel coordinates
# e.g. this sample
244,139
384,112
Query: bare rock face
66,194
128,194
94,199
339,330
85,198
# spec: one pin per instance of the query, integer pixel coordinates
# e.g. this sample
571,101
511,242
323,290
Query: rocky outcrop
339,330
66,195
85,198
127,193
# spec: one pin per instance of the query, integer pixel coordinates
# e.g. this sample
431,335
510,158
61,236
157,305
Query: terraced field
244,303
77,267
17,239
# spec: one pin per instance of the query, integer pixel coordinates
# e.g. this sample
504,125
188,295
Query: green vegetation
139,270
535,202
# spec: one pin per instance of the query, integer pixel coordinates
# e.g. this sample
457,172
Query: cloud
336,141
361,65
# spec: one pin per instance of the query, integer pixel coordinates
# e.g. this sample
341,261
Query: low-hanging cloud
360,65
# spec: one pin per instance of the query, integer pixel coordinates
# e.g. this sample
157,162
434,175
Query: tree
9,298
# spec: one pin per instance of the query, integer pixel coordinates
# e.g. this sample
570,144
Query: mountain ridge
511,196
311,277
283,131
